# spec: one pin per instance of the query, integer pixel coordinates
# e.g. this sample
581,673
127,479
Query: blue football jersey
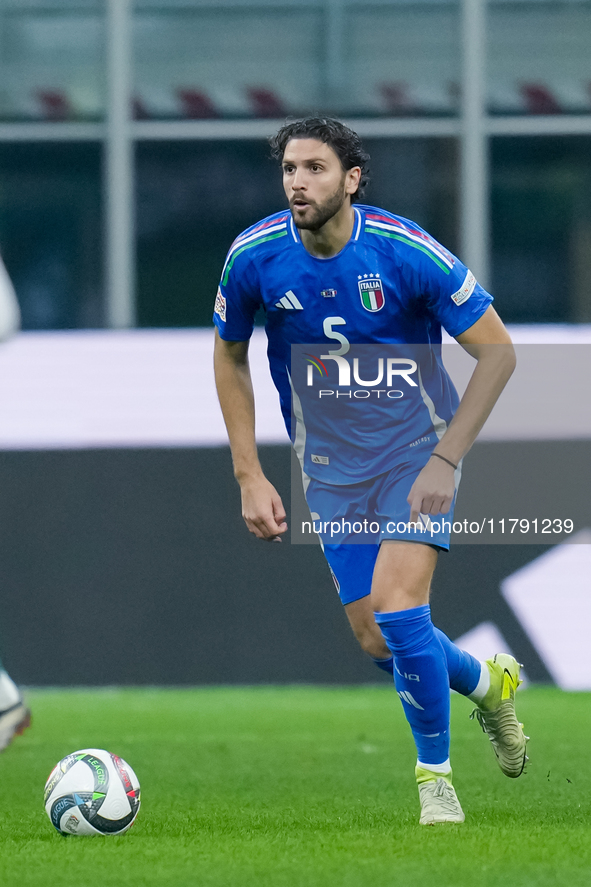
360,315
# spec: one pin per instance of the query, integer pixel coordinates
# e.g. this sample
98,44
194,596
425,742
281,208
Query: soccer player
334,272
14,715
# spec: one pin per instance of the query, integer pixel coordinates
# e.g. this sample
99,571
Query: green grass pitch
298,787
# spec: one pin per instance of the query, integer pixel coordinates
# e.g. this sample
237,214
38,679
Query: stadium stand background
132,150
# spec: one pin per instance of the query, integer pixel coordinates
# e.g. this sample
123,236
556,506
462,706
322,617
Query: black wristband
445,460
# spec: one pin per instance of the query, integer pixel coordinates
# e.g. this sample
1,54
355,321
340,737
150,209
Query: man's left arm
489,342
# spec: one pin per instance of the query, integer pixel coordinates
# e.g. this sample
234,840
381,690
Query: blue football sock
386,665
464,670
421,678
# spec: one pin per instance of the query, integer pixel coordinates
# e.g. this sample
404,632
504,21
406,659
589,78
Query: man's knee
371,642
365,628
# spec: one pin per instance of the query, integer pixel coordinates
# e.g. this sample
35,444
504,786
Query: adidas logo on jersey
291,301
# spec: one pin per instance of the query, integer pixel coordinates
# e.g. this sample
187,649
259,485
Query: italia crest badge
371,291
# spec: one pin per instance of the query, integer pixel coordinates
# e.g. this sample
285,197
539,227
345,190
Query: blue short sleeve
450,291
237,299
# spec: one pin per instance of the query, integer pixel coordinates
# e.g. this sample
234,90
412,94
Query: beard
319,213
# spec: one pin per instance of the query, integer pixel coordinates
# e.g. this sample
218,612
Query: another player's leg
400,598
14,715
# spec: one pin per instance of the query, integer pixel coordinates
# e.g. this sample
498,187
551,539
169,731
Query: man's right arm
262,509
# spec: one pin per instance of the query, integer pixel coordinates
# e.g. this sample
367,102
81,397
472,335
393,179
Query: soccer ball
92,792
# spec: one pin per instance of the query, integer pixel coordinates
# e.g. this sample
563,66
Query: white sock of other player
9,692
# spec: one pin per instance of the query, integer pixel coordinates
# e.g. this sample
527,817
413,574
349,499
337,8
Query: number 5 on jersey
327,326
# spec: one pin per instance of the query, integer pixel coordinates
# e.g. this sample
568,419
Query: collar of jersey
354,237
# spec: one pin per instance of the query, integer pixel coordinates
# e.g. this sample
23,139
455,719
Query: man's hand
433,490
262,509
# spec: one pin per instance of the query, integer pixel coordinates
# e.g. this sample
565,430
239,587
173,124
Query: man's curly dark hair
344,141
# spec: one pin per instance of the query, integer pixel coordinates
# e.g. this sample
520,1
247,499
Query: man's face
315,182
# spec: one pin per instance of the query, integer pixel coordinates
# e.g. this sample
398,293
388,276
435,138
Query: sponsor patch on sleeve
466,289
220,305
